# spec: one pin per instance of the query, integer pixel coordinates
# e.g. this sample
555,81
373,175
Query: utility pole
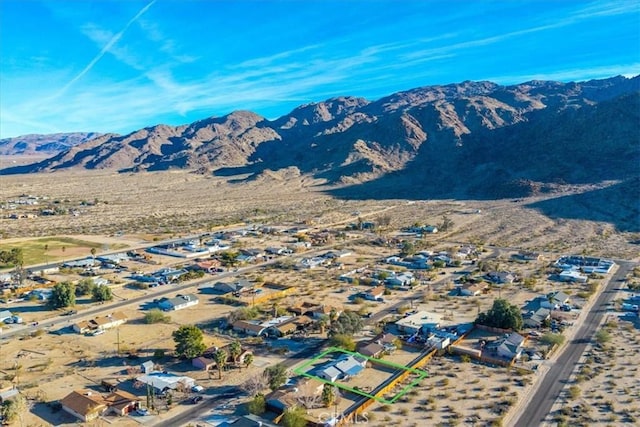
118,341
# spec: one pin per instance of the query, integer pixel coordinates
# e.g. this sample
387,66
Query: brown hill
472,138
43,144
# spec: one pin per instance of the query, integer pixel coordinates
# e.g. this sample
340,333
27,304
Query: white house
572,276
375,294
330,373
418,322
178,303
163,382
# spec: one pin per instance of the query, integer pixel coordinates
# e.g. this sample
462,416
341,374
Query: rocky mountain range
475,139
49,144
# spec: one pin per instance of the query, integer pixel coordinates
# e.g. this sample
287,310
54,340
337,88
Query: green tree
220,357
348,323
189,341
551,339
12,409
502,315
248,360
62,295
343,341
446,223
294,417
156,316
235,349
102,293
439,263
84,287
328,395
277,375
603,336
407,249
258,405
93,252
229,257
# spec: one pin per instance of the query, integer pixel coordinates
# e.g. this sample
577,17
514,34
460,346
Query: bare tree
308,395
256,383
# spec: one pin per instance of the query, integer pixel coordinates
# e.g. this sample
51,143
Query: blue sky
117,66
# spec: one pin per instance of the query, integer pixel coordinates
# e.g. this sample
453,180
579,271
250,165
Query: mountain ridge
423,135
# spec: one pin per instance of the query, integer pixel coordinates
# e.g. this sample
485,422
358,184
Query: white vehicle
142,411
197,388
98,332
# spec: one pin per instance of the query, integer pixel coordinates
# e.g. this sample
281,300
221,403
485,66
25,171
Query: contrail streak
104,50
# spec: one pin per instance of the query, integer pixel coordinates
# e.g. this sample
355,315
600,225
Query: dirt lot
604,386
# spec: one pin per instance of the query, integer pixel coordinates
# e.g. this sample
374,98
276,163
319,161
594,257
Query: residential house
247,421
472,289
372,349
203,363
110,321
162,382
121,402
325,310
168,275
309,263
350,366
272,250
84,405
302,308
330,373
302,322
572,276
208,266
403,280
147,367
248,328
83,326
535,318
238,287
529,256
103,323
558,298
178,303
501,277
509,347
282,329
419,322
375,294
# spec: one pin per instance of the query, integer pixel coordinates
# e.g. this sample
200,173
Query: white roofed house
178,303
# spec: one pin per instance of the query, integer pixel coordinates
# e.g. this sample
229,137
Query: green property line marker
301,370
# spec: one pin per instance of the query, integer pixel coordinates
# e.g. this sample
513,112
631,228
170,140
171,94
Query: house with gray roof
178,303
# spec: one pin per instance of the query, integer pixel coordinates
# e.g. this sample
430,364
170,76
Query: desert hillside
472,139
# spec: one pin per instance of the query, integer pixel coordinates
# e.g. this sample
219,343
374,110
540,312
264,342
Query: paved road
542,401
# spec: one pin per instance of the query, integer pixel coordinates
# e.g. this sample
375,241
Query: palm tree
235,349
220,357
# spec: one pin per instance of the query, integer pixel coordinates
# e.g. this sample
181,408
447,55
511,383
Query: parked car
195,399
142,411
197,388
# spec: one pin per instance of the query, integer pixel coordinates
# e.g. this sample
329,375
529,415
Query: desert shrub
156,316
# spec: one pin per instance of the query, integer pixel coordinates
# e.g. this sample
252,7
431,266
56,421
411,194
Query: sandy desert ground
135,209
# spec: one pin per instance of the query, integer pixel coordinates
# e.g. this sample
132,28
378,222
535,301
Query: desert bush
156,316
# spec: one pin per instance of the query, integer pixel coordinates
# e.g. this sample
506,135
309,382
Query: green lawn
49,249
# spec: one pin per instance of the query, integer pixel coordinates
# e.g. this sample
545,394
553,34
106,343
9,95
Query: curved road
540,404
